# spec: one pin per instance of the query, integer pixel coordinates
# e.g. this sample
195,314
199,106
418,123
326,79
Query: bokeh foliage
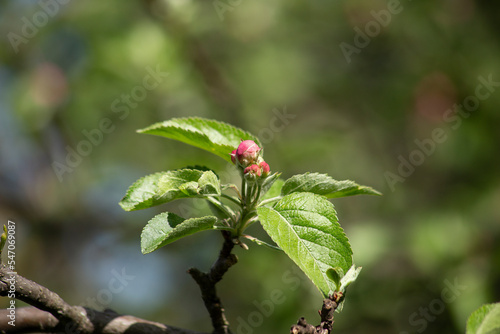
261,60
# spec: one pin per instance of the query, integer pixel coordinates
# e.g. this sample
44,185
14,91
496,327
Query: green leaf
198,167
213,136
343,282
334,274
143,193
322,184
305,226
159,188
485,320
216,211
190,189
274,190
208,184
272,186
167,227
351,275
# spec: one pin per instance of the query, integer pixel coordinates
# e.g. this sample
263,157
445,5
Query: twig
51,314
207,282
44,299
326,313
33,320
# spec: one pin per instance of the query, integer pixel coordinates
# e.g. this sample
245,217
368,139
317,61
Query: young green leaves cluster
296,212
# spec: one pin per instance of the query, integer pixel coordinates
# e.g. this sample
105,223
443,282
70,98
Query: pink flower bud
265,168
252,170
233,157
247,153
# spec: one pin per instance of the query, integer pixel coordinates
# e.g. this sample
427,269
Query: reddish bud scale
233,157
264,168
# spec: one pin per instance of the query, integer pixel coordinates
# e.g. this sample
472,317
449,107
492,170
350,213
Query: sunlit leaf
213,136
271,186
164,187
305,226
167,227
485,320
334,274
322,184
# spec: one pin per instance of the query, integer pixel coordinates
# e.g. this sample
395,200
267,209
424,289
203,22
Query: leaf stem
260,242
224,208
269,200
235,188
248,222
231,198
224,228
256,199
243,191
251,195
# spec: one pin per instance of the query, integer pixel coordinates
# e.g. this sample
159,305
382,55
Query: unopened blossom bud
264,168
247,153
253,170
233,157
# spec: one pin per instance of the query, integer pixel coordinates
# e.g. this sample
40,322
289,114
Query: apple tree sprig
296,213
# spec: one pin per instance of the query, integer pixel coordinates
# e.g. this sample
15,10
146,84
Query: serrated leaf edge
130,189
324,275
205,120
145,251
293,190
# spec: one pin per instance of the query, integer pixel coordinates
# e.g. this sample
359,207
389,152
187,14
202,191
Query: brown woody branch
207,282
33,320
43,299
326,313
51,314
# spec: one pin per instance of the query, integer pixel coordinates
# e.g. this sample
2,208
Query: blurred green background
76,77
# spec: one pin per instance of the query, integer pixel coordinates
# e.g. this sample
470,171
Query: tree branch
33,320
207,282
51,314
326,313
44,299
